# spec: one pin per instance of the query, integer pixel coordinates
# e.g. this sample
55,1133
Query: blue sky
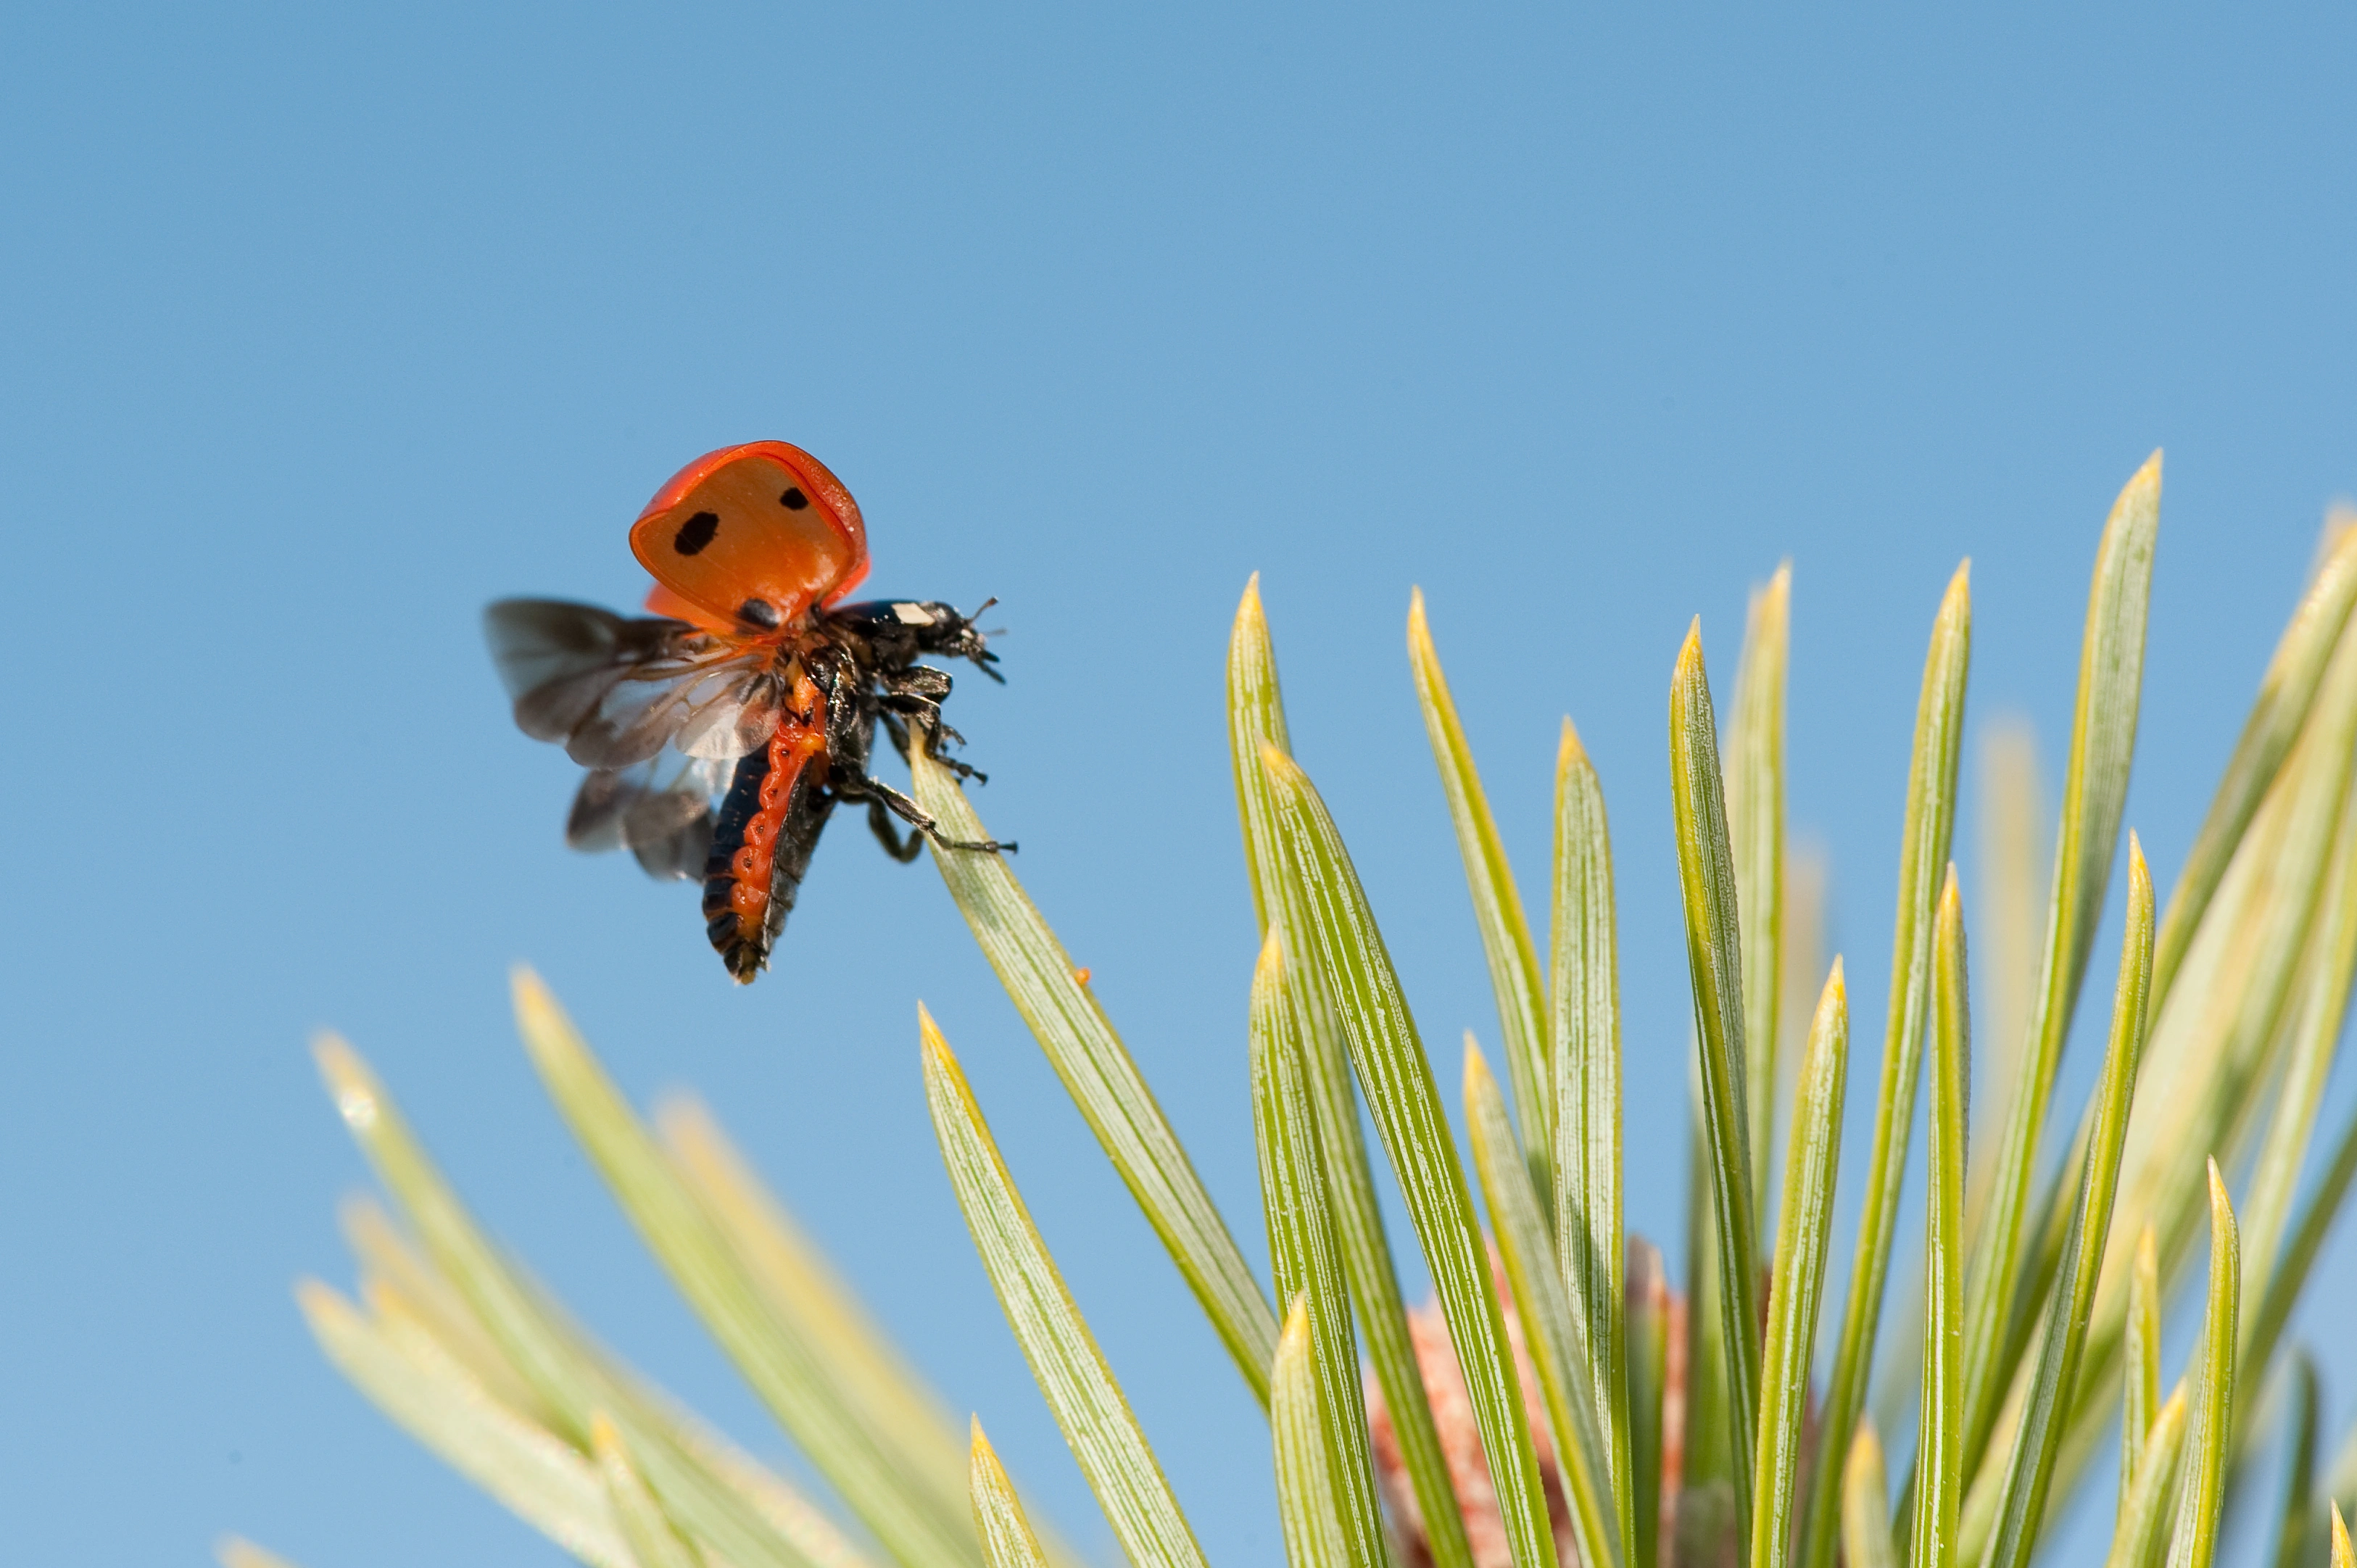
323,327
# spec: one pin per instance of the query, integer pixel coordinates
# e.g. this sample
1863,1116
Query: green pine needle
1804,1238
1256,719
1101,1076
1305,1255
1007,1539
1071,1372
1714,960
1395,1077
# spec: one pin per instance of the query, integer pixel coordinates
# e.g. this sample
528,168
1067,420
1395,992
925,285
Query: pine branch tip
1268,969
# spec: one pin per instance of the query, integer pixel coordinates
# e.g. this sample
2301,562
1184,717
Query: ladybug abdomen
761,846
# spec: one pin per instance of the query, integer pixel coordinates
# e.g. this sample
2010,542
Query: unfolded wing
617,691
661,811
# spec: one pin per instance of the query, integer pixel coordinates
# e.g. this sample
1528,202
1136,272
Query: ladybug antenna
982,657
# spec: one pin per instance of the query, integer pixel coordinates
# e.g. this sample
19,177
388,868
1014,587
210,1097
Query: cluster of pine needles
1611,1421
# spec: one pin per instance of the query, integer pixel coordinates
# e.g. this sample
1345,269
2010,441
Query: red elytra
750,535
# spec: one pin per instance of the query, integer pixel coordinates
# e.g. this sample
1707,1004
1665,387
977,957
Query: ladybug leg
919,681
884,795
917,693
926,712
880,822
896,727
942,735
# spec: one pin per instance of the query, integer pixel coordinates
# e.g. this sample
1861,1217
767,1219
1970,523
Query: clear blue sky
324,326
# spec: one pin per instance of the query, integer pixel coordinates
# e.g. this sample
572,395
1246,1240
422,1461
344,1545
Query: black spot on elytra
793,498
759,612
696,532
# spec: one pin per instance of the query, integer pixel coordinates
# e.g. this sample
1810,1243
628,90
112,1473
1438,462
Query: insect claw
983,846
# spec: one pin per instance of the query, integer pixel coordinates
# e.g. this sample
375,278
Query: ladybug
721,729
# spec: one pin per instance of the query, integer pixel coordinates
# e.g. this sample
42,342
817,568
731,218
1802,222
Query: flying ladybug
721,729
